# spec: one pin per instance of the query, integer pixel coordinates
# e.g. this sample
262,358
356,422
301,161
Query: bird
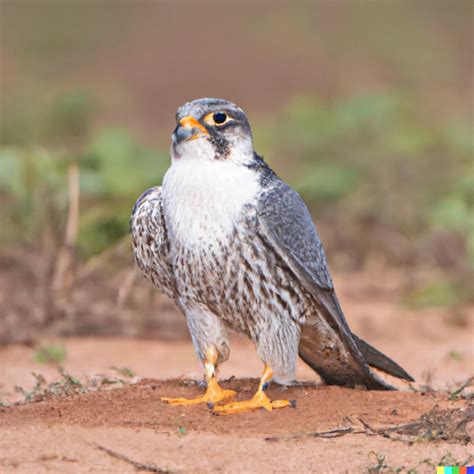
236,248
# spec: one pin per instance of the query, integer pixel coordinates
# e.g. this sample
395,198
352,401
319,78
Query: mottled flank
235,247
150,241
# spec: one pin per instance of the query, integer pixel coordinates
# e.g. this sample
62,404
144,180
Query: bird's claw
214,394
260,400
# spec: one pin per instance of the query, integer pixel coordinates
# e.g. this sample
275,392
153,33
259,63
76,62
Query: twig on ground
446,425
458,392
137,465
335,433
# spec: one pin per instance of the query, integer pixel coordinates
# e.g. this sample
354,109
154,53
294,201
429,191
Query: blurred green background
366,108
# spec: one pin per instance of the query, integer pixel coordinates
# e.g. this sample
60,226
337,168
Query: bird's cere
189,128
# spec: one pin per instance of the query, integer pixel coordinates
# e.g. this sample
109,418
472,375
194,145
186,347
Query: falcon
235,247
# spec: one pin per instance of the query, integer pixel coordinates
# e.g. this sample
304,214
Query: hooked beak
189,128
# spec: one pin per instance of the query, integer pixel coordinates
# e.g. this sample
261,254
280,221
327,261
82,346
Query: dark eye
219,118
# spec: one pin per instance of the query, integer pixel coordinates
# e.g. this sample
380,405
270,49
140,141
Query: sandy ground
106,431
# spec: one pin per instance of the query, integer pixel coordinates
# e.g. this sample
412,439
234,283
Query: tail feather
376,359
332,358
341,358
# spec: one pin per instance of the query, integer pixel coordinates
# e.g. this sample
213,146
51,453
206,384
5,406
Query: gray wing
285,223
326,343
150,241
285,216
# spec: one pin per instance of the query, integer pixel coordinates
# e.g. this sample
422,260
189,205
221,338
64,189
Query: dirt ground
120,430
110,430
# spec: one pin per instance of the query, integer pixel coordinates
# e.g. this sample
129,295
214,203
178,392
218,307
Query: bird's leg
259,400
214,392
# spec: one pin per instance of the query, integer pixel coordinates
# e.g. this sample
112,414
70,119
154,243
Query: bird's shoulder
287,224
149,206
147,223
150,240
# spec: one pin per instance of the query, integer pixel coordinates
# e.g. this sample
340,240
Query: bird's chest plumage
204,199
218,257
206,203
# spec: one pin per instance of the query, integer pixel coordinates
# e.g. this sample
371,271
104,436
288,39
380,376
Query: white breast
204,198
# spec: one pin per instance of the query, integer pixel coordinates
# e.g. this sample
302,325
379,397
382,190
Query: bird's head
212,129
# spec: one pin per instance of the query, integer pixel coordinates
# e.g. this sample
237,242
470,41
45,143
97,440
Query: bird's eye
219,118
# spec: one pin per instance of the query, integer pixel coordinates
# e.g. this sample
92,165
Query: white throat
204,197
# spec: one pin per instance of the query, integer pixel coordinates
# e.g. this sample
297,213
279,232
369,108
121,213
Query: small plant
458,393
455,355
65,386
382,466
447,460
54,354
437,293
178,422
125,371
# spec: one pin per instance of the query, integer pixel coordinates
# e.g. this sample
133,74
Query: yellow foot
259,400
214,394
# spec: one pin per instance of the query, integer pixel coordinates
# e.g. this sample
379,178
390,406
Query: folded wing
150,241
327,344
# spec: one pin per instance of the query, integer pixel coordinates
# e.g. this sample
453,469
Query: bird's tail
339,356
380,361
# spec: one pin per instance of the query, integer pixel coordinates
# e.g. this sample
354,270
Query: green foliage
381,466
455,355
448,291
454,209
114,171
39,143
63,119
182,431
65,386
41,390
50,354
438,293
33,188
125,371
68,117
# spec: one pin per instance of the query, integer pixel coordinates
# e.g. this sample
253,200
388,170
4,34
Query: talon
214,394
211,397
259,400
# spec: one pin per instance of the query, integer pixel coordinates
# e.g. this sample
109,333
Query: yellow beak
189,129
191,122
